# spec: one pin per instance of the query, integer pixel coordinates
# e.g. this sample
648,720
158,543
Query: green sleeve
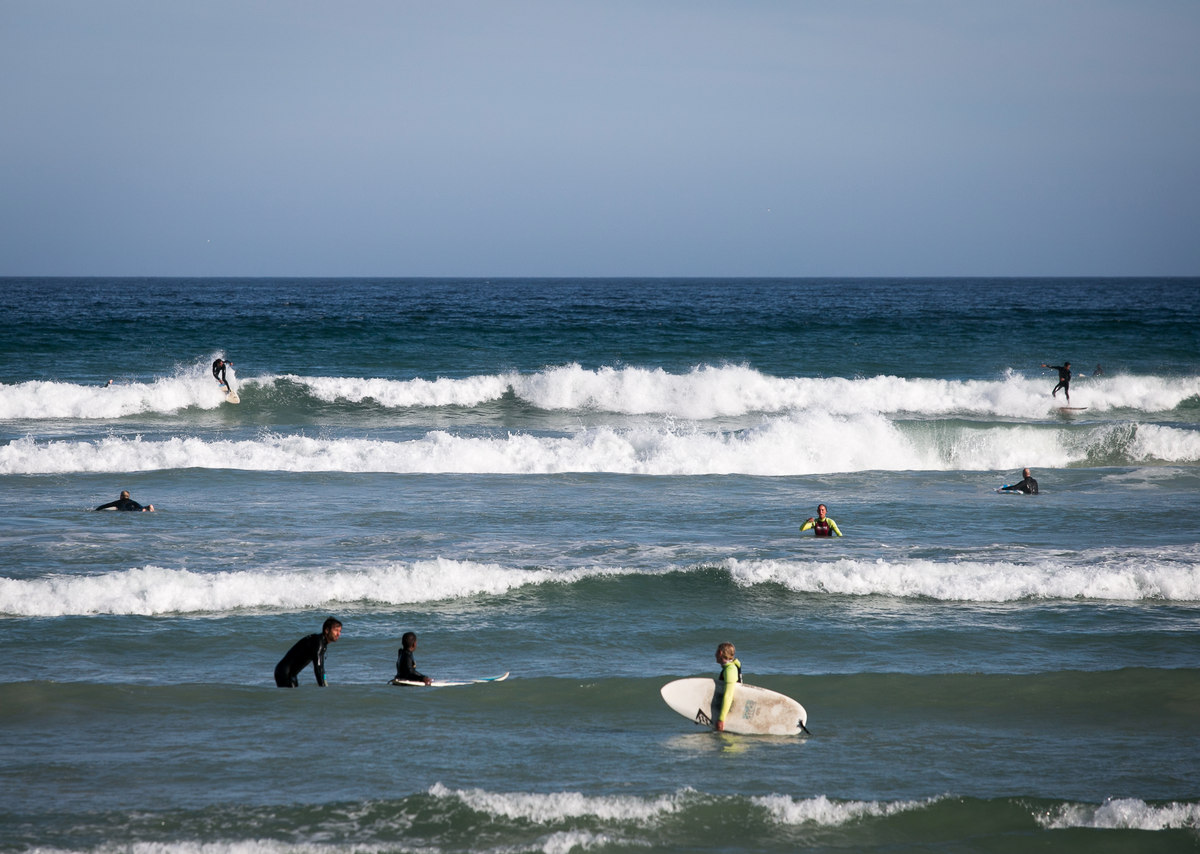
833,526
806,526
729,678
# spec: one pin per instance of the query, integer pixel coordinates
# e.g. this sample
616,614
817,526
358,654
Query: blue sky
493,138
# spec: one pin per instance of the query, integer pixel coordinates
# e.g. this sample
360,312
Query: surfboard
755,711
1071,408
232,397
445,683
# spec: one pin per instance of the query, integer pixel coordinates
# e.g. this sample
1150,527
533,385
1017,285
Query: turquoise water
590,484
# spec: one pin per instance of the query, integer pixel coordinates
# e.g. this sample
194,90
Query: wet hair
330,623
727,648
124,493
409,639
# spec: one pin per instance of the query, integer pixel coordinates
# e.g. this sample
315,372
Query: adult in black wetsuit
1028,485
219,372
406,668
1064,379
126,503
310,648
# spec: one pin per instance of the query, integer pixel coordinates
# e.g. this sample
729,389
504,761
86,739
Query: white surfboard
755,711
443,683
232,397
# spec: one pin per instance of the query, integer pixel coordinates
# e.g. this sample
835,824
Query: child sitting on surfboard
730,676
406,668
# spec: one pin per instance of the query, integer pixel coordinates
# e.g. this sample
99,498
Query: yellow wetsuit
731,674
825,527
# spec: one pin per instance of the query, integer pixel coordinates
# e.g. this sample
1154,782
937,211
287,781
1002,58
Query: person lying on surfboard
728,679
822,526
219,373
1028,485
406,668
126,503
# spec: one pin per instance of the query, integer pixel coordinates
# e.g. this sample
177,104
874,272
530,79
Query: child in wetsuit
730,676
406,668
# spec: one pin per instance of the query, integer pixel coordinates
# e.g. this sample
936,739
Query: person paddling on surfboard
1028,485
406,668
822,526
727,681
219,373
1064,379
126,503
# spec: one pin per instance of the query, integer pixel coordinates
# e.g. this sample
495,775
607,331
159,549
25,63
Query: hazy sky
642,138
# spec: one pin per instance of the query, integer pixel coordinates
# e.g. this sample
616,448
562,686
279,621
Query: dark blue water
589,484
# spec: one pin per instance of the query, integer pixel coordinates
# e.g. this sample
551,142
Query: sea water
590,484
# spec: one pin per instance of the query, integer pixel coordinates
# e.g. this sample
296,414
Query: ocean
589,484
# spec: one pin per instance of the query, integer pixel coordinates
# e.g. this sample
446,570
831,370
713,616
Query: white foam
708,392
1124,814
1132,575
547,808
800,444
152,590
705,392
36,400
471,391
823,811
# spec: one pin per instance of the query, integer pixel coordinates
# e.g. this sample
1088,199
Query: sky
515,138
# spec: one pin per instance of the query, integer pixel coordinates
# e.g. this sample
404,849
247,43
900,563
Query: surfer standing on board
822,526
219,373
730,676
1064,379
126,503
1028,485
406,668
310,648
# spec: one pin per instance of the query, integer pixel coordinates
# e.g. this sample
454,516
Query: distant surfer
1028,485
1064,379
822,526
406,668
219,373
1098,372
309,649
126,503
727,680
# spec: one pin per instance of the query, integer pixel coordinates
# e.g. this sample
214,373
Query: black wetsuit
308,649
1028,486
121,504
219,372
1064,380
406,668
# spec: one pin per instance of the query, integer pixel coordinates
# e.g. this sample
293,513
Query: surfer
219,373
822,526
729,677
406,668
1028,485
1064,379
310,648
126,503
